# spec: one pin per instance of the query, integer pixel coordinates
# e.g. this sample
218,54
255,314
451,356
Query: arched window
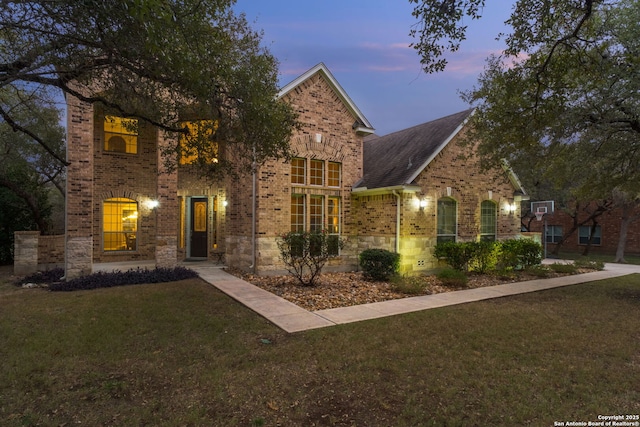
447,220
119,224
488,222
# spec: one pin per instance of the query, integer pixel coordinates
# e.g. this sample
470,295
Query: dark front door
199,221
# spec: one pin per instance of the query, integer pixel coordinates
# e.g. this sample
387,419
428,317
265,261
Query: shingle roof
397,159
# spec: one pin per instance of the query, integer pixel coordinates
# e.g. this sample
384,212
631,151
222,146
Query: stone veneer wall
33,252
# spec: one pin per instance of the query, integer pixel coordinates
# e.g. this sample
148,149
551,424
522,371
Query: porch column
167,212
79,197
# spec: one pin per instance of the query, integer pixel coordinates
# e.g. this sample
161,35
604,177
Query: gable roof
395,160
361,124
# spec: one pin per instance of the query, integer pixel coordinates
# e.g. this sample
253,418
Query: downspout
395,193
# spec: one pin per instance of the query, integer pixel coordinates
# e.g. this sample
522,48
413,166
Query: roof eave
406,188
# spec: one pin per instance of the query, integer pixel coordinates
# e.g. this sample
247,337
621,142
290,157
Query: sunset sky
365,44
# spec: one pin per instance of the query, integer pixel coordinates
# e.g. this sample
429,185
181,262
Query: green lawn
184,354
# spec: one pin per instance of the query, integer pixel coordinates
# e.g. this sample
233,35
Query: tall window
333,224
584,233
316,172
316,213
120,135
297,213
447,220
333,174
554,233
298,171
488,224
119,224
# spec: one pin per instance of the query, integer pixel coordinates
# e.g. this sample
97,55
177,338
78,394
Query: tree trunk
626,220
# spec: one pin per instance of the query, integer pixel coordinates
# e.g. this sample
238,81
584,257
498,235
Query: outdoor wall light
152,204
225,203
423,203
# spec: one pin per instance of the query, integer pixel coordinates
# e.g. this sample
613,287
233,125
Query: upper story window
447,220
120,135
298,171
488,223
333,174
319,172
197,143
316,172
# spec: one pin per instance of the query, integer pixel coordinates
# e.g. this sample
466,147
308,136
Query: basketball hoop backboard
541,208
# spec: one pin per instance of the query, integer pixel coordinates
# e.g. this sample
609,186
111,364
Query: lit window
447,220
120,135
584,234
197,142
316,172
333,174
488,225
297,213
120,224
298,171
316,214
333,224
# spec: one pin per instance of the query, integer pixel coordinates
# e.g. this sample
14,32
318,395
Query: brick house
606,232
403,191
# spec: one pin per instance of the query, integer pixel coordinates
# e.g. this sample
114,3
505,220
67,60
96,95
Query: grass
185,354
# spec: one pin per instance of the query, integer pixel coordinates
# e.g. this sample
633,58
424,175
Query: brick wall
323,113
609,223
448,175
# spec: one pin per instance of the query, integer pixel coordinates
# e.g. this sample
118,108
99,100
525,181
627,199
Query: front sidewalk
292,318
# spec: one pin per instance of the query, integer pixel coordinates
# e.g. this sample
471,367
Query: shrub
121,278
483,256
452,278
564,268
519,254
42,277
379,264
410,285
304,254
589,263
457,255
538,271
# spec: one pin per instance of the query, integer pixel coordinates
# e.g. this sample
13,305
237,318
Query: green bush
518,254
564,268
538,271
379,264
456,254
589,263
505,255
409,285
483,256
452,278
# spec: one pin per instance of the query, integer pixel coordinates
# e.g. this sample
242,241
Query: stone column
79,198
168,209
25,252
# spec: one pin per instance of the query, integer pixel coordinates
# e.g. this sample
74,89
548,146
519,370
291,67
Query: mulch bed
348,289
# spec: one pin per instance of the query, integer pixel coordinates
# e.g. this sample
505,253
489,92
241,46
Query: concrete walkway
293,318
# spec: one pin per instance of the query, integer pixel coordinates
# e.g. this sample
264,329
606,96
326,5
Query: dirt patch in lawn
348,289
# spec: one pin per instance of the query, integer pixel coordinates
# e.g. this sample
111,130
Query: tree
161,61
562,100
